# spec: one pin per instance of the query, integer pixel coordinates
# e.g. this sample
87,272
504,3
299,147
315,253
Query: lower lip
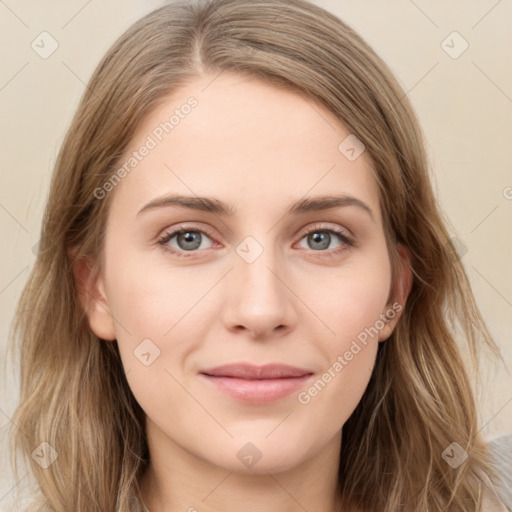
257,391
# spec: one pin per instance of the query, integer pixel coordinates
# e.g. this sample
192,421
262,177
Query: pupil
322,239
187,238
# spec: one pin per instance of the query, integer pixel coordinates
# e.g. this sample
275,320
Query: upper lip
251,372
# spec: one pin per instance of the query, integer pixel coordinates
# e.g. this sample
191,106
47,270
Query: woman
185,345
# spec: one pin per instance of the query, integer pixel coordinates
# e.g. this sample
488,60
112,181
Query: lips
257,384
251,372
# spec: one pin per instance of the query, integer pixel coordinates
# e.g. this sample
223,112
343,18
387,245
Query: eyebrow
216,206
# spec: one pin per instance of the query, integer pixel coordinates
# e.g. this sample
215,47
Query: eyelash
348,242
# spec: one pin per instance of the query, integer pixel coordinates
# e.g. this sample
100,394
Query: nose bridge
257,265
260,301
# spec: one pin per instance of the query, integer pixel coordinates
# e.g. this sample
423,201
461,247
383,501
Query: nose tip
263,332
259,301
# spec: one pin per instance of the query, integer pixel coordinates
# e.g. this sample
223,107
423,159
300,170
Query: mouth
257,384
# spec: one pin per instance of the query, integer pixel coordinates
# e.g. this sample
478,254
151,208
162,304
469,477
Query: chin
259,455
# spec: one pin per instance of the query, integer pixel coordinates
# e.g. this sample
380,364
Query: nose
260,301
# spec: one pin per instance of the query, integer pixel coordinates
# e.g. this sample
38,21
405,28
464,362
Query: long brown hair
74,394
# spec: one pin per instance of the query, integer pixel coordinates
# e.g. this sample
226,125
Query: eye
320,237
188,239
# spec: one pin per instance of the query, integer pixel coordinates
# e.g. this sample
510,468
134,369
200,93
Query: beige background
464,105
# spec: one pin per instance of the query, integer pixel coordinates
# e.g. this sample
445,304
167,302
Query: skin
258,148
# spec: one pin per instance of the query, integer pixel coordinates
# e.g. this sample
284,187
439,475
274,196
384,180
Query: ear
398,296
92,296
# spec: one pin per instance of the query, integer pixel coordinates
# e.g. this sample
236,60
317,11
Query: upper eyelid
175,230
320,226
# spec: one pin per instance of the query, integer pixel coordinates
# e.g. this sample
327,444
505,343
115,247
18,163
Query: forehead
241,139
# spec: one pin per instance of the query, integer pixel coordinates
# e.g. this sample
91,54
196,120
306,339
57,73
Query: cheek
158,338
158,308
152,298
149,305
350,303
351,308
351,299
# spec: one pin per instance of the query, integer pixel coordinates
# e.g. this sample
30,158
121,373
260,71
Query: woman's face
245,283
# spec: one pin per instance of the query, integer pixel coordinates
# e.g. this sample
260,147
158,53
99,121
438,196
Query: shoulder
501,452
